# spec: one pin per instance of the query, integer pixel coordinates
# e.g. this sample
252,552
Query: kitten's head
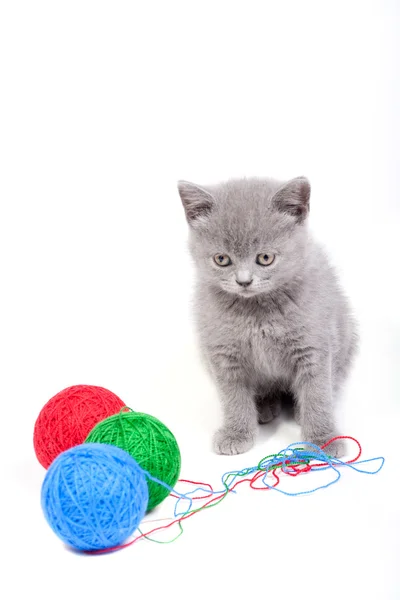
247,236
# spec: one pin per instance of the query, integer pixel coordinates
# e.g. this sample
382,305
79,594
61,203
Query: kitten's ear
293,198
196,201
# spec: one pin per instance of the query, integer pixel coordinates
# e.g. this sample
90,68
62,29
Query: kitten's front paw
227,441
336,449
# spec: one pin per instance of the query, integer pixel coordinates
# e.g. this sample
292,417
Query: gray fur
290,331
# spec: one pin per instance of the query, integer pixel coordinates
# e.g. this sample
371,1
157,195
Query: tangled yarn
68,417
265,475
94,496
149,442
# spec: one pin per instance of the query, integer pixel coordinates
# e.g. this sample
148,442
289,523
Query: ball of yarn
150,443
68,417
94,496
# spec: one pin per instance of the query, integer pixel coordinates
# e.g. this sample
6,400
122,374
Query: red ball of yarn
67,419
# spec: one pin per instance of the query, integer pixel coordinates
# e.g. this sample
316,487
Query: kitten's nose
243,278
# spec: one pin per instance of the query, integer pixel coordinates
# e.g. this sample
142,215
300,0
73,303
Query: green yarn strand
149,442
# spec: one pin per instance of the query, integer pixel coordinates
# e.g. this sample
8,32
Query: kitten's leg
296,413
240,416
313,392
269,403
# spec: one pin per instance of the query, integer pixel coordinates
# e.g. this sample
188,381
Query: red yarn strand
298,469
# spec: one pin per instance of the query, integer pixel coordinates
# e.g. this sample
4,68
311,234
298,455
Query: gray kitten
273,322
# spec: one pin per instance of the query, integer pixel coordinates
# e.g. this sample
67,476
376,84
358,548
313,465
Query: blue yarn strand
291,453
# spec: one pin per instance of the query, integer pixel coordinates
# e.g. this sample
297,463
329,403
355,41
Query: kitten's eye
265,259
222,260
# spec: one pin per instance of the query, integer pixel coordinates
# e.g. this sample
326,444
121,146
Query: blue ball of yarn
94,496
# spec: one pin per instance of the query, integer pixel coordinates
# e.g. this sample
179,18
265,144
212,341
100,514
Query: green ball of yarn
149,442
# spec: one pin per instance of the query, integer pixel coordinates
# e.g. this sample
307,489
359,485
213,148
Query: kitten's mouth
242,292
246,292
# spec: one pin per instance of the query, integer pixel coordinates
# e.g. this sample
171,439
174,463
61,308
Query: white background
103,106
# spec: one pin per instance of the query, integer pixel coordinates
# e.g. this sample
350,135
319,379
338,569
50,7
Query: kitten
272,320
